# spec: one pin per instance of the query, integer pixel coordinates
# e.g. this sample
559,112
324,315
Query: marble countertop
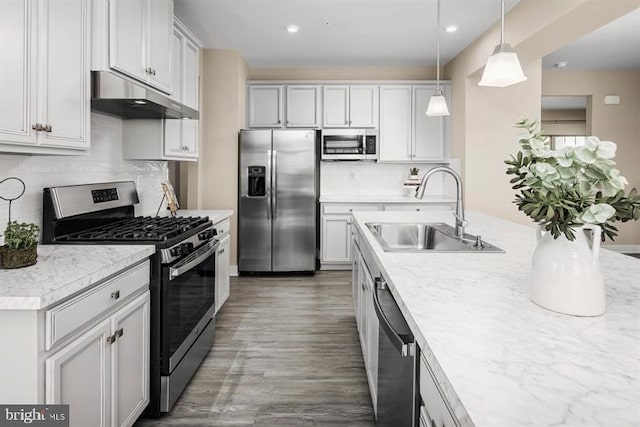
63,270
214,215
381,198
502,360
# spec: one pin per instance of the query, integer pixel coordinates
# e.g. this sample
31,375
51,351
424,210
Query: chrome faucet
461,223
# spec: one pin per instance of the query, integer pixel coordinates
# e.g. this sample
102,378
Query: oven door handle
194,259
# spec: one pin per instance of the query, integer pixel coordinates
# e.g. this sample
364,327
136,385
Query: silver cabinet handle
37,127
153,71
47,128
120,332
115,295
111,339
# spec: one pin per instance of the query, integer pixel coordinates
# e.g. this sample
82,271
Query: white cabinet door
265,106
336,238
127,36
355,282
64,78
428,131
303,106
372,344
363,106
159,42
177,64
335,113
395,123
130,358
223,283
191,75
17,71
80,375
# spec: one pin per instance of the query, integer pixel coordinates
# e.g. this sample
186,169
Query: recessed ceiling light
561,64
451,28
293,28
140,102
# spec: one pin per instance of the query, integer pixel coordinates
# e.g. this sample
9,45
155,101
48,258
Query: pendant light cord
502,23
438,48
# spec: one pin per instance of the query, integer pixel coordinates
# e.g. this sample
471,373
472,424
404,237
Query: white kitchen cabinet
266,105
96,352
223,283
335,233
171,139
303,106
45,81
434,409
353,106
140,39
395,123
407,134
428,138
80,375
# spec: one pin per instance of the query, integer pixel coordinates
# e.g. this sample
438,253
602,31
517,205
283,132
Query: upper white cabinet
134,37
266,105
350,106
407,134
303,106
395,123
171,139
45,80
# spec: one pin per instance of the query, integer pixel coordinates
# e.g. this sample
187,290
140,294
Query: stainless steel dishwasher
397,359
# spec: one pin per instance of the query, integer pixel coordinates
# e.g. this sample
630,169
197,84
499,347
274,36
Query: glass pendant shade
437,105
503,68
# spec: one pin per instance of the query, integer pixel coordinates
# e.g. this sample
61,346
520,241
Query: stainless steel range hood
118,96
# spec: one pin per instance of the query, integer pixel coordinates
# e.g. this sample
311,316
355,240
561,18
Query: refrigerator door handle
269,192
275,183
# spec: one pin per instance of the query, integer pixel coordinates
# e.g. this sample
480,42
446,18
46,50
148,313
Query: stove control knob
177,251
207,234
187,248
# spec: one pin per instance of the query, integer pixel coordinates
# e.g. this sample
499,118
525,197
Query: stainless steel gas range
182,281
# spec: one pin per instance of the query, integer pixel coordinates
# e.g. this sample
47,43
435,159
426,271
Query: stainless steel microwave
349,144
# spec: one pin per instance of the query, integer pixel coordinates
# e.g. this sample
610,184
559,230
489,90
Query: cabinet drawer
346,209
223,227
67,317
435,409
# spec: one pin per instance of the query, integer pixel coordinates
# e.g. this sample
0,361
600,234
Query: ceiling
616,46
338,32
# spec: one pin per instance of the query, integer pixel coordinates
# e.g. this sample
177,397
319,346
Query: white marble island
501,360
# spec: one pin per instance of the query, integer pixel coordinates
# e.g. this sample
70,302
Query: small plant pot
17,258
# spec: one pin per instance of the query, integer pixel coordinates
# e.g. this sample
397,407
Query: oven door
188,302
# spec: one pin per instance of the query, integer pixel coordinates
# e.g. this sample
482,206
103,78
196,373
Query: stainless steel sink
426,237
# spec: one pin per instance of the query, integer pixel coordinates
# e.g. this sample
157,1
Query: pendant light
437,104
503,68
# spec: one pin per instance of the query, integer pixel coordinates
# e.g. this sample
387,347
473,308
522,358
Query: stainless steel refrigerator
278,200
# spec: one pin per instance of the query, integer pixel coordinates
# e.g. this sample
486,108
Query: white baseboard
625,249
233,270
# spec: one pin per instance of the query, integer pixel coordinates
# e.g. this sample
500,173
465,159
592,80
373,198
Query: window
558,142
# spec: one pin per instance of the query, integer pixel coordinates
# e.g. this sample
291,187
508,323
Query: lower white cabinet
223,284
434,409
103,375
367,321
335,241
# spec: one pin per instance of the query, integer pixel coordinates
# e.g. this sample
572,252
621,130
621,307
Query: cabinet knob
47,128
111,339
115,295
37,127
279,121
120,332
153,71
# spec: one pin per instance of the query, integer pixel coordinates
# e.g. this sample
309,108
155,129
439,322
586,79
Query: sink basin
425,237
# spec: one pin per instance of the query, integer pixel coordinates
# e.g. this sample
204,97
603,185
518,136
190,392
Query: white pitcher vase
566,275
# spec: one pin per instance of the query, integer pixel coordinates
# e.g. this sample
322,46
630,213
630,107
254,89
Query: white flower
597,214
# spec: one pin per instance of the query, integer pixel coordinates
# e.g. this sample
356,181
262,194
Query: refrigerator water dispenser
256,181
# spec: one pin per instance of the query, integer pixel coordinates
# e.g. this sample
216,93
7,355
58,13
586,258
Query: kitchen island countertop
63,270
500,359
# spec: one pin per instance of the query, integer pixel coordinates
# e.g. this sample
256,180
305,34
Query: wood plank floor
286,353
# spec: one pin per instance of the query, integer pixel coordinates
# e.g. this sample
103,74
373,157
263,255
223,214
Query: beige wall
223,77
483,118
617,123
343,73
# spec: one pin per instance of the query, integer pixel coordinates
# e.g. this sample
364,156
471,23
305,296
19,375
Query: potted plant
413,173
20,245
567,192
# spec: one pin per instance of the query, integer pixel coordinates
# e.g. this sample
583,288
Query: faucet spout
461,223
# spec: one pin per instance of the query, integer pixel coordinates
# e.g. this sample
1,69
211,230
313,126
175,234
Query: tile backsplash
104,163
369,178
